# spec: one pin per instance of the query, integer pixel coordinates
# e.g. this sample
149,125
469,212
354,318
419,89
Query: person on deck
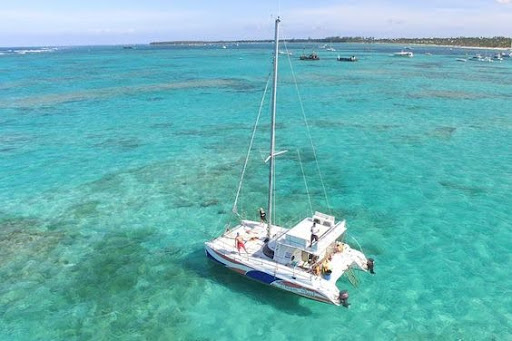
263,215
326,268
239,242
314,234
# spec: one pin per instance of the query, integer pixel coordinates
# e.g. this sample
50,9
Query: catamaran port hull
268,279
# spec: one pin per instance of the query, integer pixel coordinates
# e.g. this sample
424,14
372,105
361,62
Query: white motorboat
480,58
408,54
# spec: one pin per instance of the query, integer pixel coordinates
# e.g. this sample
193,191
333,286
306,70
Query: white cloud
112,31
381,20
88,21
415,18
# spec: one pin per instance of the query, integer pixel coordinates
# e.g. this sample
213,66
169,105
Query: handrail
323,237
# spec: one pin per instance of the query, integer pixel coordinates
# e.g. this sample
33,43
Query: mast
272,131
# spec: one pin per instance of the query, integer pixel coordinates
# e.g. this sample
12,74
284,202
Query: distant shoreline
456,46
409,42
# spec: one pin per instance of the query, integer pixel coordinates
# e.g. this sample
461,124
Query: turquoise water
116,165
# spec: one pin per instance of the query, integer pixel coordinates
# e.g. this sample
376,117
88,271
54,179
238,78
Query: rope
235,210
309,134
305,183
286,50
360,248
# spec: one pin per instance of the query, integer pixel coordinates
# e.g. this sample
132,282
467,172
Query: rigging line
285,46
234,209
309,136
305,183
288,54
360,248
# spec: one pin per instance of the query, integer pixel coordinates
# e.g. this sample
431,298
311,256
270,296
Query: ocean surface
117,164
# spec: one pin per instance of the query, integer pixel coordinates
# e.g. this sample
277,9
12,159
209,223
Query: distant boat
312,56
461,59
497,57
330,48
286,53
408,54
347,59
480,58
128,47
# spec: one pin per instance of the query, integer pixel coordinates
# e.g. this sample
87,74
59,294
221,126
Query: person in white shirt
314,234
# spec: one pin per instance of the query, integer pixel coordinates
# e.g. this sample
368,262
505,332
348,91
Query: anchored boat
408,54
347,59
312,56
306,259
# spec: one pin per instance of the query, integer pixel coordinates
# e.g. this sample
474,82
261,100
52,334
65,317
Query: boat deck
254,235
301,277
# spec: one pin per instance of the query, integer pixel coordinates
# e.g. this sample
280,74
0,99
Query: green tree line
496,42
493,42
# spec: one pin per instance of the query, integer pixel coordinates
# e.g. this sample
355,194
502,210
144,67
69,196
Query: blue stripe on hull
267,279
261,276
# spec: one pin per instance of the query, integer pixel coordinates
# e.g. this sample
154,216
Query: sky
118,22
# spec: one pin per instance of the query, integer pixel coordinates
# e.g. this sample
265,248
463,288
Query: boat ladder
352,277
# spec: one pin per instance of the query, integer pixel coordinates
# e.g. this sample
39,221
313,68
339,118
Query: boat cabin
295,246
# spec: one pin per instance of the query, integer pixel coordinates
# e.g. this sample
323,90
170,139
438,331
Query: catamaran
306,259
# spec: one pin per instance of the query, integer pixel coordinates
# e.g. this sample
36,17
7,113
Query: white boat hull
269,279
296,277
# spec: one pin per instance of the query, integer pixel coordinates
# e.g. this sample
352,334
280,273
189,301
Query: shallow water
116,165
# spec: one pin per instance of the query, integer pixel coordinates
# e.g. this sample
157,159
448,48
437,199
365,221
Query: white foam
41,50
